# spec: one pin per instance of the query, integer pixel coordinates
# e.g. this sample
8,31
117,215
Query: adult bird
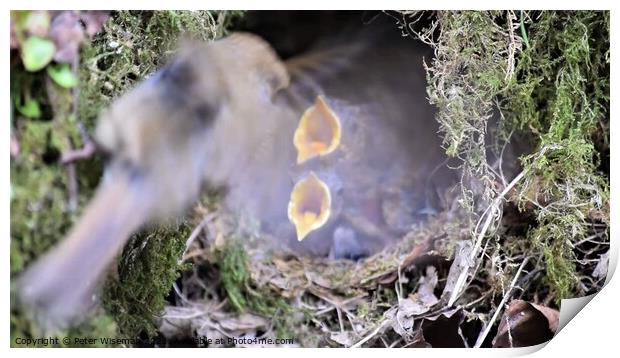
226,113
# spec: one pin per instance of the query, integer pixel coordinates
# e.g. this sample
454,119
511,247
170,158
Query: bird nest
311,300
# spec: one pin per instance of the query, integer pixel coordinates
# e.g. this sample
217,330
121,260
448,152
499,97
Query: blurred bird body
225,113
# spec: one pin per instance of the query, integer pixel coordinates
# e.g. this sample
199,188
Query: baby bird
368,134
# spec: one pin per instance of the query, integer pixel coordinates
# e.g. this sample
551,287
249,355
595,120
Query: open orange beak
318,133
310,205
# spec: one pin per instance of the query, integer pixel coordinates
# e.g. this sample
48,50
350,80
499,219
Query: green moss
40,211
147,269
548,74
561,93
558,258
233,262
363,310
39,204
100,326
465,77
233,266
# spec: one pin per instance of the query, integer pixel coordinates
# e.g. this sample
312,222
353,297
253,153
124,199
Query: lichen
473,63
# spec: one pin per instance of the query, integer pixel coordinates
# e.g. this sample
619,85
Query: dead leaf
387,278
600,271
344,338
417,251
460,264
244,322
319,279
526,324
552,315
403,317
427,286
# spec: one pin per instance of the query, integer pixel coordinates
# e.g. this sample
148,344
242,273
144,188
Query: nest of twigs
314,300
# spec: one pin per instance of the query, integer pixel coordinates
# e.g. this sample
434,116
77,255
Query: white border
593,331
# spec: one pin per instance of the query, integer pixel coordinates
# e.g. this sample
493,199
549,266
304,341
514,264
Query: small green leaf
37,52
30,109
62,75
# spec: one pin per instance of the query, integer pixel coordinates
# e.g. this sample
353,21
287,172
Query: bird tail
60,287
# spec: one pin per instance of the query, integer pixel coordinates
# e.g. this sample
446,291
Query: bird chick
310,205
369,126
318,132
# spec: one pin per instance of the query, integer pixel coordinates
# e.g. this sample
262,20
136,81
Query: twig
490,213
74,155
489,325
72,188
372,334
590,239
197,231
179,293
333,304
460,332
351,319
340,319
511,46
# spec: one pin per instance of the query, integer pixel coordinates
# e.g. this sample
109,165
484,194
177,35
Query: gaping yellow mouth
310,205
318,132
